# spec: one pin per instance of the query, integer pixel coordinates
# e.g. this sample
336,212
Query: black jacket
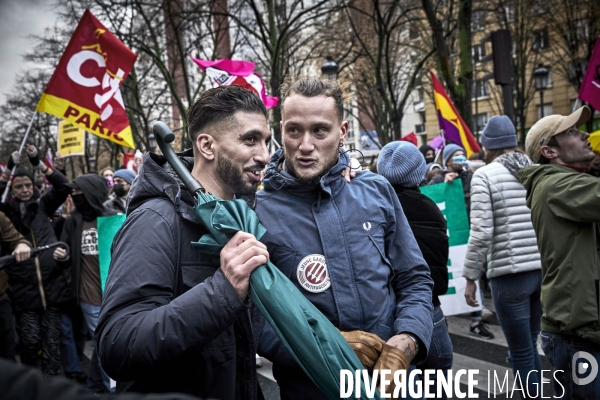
32,219
429,227
95,190
170,320
115,204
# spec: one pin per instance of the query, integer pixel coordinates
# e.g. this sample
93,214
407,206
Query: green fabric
313,341
107,229
450,198
565,211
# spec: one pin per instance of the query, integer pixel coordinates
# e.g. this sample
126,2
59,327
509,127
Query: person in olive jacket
38,286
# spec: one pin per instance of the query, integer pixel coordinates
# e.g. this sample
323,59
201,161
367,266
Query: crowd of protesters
516,202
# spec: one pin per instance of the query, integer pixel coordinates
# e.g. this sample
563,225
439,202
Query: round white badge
312,274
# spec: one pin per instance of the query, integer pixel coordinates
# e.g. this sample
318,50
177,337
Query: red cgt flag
590,86
84,88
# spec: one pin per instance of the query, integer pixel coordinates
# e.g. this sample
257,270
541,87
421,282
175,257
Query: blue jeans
440,349
68,350
97,377
559,351
517,301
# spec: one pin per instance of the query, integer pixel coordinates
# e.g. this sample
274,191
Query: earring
341,143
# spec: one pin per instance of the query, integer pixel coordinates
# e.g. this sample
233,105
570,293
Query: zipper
38,273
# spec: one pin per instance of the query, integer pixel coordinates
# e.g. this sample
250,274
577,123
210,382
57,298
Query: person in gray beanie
502,234
122,179
404,167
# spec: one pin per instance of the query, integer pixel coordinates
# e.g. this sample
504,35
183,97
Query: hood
95,191
513,162
156,179
276,177
530,177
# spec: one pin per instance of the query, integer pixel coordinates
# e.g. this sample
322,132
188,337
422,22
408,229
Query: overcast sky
18,19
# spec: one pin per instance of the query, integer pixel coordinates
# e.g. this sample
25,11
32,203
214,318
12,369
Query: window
509,11
478,51
540,40
577,70
413,32
477,21
420,128
479,89
581,29
480,121
547,110
539,7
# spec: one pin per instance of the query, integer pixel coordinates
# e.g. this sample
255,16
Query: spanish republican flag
452,125
84,89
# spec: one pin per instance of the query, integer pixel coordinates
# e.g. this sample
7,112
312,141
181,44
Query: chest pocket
192,274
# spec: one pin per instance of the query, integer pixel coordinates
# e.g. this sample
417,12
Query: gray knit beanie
450,149
402,164
499,133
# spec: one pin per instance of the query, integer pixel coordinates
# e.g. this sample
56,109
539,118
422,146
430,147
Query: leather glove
367,346
13,160
394,359
32,153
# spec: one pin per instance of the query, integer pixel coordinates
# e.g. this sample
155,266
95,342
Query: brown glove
394,359
367,346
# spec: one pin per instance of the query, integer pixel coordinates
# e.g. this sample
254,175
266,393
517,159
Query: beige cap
540,133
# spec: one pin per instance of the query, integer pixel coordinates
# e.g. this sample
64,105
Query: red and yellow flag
450,122
84,89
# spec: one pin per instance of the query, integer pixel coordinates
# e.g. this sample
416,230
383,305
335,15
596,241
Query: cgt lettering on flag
84,89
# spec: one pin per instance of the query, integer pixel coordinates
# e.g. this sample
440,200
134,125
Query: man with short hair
346,246
38,287
122,180
175,320
565,211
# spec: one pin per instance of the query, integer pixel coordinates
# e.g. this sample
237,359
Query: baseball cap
540,133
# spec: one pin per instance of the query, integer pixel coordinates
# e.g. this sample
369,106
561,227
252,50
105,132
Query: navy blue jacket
170,320
379,280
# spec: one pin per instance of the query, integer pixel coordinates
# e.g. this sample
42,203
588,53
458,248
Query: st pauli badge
84,89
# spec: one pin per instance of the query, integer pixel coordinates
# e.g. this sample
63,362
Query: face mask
80,202
119,189
109,179
429,160
459,160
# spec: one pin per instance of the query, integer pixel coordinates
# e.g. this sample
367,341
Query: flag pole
9,183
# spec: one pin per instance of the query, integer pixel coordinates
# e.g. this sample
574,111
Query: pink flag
236,72
590,87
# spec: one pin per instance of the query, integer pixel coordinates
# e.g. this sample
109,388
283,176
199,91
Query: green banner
450,199
107,229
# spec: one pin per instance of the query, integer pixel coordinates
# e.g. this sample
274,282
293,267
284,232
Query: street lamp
151,143
540,75
92,163
330,68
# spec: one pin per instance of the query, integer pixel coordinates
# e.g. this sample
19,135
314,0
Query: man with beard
565,211
80,232
38,287
122,180
175,320
351,251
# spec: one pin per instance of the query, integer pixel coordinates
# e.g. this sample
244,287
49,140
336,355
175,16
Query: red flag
411,137
590,86
84,88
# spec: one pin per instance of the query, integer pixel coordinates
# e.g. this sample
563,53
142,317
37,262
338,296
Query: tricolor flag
590,86
84,89
236,72
48,160
452,125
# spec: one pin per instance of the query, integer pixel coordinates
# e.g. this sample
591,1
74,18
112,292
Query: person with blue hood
89,192
346,246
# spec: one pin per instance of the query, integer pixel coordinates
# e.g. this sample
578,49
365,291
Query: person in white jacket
502,234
